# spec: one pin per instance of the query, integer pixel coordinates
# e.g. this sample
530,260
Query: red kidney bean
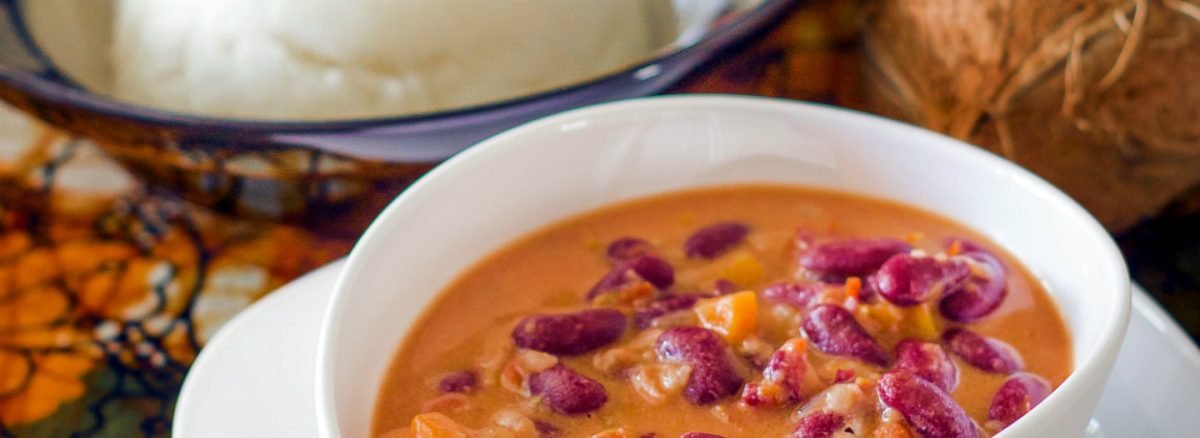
965,245
753,396
787,366
713,376
928,409
843,376
700,435
724,287
787,370
571,333
868,292
797,295
716,239
567,391
834,330
980,294
819,424
545,429
655,270
928,361
648,268
839,259
628,248
616,278
460,381
644,317
905,280
988,354
1019,394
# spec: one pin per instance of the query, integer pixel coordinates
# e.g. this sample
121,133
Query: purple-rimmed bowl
296,170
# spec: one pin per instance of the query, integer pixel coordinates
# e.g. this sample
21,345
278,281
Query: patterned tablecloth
108,289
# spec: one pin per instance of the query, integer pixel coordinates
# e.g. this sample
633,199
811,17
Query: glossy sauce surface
469,328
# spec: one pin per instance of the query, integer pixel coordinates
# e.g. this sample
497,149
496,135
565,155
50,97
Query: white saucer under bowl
255,378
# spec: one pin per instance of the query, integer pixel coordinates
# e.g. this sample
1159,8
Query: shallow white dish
255,378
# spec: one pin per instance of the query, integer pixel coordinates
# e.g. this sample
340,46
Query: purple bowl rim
78,97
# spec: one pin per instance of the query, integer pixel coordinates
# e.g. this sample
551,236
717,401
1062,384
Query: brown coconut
1100,97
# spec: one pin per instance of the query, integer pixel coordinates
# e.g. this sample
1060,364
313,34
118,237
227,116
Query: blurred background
157,175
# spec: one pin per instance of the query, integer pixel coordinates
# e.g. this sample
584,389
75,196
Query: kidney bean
981,293
700,435
965,245
834,330
545,429
711,241
819,424
617,278
724,287
570,334
460,381
655,270
928,409
905,280
627,248
928,361
868,292
713,376
839,259
644,317
785,374
648,268
567,391
988,354
1019,394
797,295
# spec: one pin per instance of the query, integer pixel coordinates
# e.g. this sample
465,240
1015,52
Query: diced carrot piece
796,345
955,248
864,383
743,270
437,425
853,287
733,316
913,238
626,295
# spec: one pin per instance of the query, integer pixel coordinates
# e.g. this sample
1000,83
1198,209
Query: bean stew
729,312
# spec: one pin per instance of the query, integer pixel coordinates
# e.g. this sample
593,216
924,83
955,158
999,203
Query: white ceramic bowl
551,169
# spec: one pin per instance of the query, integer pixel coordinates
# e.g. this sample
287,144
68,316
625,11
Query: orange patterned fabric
108,289
107,292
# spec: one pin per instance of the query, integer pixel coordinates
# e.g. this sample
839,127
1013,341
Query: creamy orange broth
551,270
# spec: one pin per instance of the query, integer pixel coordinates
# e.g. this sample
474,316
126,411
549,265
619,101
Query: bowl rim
1086,370
65,91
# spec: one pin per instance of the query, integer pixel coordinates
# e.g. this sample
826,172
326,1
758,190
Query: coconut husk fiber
1100,97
